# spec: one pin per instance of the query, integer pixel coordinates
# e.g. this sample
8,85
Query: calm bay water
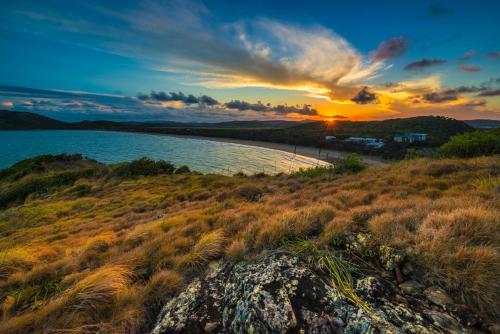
110,147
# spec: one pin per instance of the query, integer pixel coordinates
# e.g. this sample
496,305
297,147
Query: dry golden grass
107,259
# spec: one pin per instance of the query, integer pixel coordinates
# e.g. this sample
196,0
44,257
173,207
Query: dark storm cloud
392,48
470,68
187,99
305,109
423,64
207,100
365,97
280,109
243,105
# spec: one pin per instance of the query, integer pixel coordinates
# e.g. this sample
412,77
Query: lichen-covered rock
280,293
370,288
359,243
390,257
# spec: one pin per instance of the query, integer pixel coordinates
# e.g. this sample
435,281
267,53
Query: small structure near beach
368,141
410,137
330,138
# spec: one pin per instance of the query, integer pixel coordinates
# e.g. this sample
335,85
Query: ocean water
205,156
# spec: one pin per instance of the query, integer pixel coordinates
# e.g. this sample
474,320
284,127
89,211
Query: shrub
250,193
42,184
142,167
182,170
36,164
472,144
351,163
348,164
315,171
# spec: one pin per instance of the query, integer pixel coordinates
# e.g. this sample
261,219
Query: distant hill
12,120
274,124
438,128
483,123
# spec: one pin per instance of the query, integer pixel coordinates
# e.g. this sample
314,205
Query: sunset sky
245,60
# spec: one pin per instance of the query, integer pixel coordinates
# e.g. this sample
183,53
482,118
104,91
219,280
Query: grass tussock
339,270
104,251
208,247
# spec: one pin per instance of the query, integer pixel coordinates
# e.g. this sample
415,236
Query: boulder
438,296
280,293
412,288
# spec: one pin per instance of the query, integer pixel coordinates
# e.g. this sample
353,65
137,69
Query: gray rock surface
412,288
438,296
279,293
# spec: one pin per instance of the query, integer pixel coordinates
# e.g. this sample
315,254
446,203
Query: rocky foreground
281,293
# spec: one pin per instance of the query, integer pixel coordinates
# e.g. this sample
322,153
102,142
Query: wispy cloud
182,35
494,55
392,48
470,68
423,64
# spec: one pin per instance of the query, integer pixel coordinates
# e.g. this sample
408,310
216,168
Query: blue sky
256,59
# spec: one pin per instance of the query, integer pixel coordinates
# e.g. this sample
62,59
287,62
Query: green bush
41,184
182,170
349,164
472,144
36,164
144,167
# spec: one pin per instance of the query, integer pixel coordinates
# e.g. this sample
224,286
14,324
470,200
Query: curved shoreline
327,155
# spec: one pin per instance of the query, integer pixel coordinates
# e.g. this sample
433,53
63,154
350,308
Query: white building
368,141
410,137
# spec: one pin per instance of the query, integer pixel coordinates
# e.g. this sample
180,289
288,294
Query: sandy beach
308,151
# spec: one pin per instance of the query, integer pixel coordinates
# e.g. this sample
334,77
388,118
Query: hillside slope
27,121
95,248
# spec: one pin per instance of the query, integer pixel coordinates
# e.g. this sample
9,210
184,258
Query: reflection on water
110,147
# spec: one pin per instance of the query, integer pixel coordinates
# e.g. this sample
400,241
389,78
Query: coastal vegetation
473,144
87,247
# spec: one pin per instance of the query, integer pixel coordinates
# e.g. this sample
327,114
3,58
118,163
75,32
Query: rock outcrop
280,293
